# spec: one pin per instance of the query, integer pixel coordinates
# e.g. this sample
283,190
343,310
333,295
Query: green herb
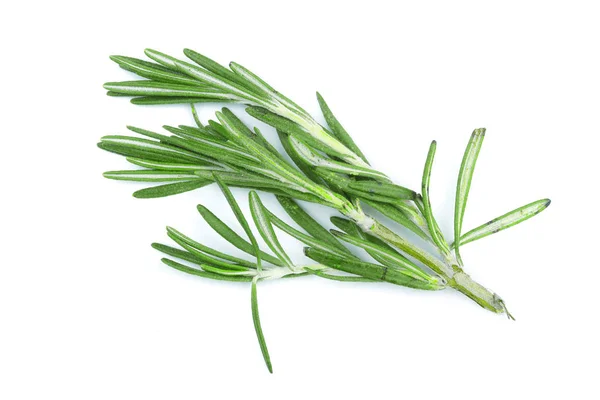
329,169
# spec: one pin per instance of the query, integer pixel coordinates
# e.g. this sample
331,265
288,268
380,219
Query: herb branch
328,168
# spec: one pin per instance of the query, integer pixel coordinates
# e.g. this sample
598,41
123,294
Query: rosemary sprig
329,169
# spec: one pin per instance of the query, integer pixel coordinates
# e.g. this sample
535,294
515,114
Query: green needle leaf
162,166
232,237
437,237
259,333
217,69
292,128
368,270
505,221
384,189
153,71
338,129
166,89
204,252
341,278
398,216
463,185
196,117
402,262
263,223
312,158
204,274
309,224
170,189
147,149
157,100
149,176
353,230
306,239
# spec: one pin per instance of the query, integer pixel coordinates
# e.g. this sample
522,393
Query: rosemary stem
453,274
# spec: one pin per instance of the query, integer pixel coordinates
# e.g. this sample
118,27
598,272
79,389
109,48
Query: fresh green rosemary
329,169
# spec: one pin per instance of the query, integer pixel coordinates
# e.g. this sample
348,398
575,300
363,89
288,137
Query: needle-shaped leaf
262,222
196,117
201,132
216,68
150,176
232,237
257,327
398,216
437,237
204,274
208,255
463,185
342,183
338,129
265,89
147,149
327,144
242,220
505,221
163,166
312,158
369,270
408,267
153,71
166,89
158,100
170,189
306,168
353,230
384,189
177,253
341,278
307,239
309,224
245,179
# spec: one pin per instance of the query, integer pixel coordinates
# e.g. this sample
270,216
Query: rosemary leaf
312,158
204,274
407,267
232,237
149,176
353,230
306,239
341,278
338,129
157,100
257,327
292,128
163,166
165,89
398,216
170,189
505,221
309,224
196,117
147,149
463,185
368,270
152,71
436,235
384,189
262,222
216,68
205,252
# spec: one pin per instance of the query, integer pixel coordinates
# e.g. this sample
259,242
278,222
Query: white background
87,311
